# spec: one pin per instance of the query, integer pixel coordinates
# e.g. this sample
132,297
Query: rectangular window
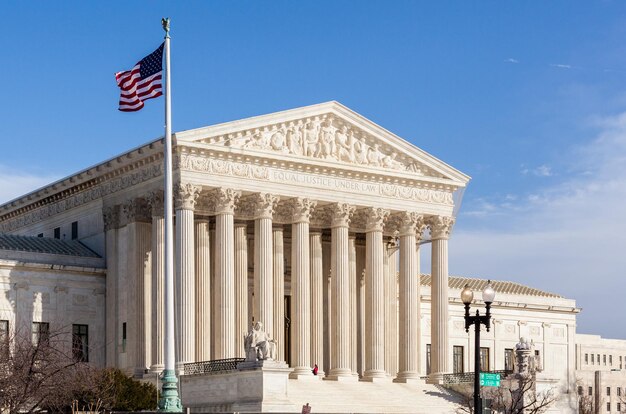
427,358
57,233
611,360
620,362
586,358
590,391
4,336
457,359
604,359
40,333
592,360
123,336
508,359
80,342
608,406
608,391
580,390
484,359
619,407
619,392
74,230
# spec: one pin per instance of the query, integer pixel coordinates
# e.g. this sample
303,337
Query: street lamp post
467,296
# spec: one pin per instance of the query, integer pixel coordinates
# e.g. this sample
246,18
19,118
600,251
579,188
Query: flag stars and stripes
142,82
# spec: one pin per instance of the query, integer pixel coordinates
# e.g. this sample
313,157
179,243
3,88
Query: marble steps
363,397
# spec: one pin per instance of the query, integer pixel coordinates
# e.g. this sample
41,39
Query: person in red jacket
315,369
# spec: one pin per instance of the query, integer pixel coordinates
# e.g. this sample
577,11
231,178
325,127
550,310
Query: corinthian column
203,290
185,310
374,297
279,291
391,320
301,288
317,302
341,360
410,230
440,227
137,216
263,252
241,286
225,200
353,304
110,216
155,200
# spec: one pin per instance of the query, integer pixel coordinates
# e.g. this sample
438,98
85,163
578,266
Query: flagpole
170,401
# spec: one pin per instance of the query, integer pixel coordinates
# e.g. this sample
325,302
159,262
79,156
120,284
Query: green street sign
489,380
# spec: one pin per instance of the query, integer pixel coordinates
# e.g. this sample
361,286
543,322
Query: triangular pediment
325,132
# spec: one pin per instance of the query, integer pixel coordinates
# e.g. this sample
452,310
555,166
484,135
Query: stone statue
258,345
361,150
373,156
345,143
294,139
310,139
327,139
278,141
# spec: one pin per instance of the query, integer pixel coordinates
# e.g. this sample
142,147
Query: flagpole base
169,401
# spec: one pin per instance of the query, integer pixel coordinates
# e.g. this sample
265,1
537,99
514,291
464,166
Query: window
457,359
4,336
608,406
608,391
619,392
604,359
598,359
57,233
484,359
80,342
580,390
590,391
611,360
620,362
40,235
123,336
586,358
592,360
40,333
508,359
619,407
74,230
427,358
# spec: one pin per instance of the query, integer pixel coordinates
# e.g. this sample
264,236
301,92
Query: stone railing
468,377
217,365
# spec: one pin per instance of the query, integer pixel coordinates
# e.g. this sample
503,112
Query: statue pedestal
256,386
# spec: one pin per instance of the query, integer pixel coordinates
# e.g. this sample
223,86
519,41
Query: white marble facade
308,220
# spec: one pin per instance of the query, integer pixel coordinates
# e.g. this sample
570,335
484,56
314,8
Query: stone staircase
379,397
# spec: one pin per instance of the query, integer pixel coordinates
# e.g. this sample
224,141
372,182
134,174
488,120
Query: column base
435,378
305,373
375,376
157,368
408,378
341,374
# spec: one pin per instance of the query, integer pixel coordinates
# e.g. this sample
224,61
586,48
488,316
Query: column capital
186,195
156,202
264,204
136,210
111,217
411,223
440,226
376,218
301,209
225,200
341,213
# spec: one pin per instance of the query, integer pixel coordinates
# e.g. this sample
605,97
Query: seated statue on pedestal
258,345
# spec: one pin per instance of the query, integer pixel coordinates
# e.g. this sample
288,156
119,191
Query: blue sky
528,98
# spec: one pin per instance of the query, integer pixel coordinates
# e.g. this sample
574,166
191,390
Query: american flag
142,82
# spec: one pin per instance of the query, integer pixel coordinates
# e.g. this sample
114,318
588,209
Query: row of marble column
211,306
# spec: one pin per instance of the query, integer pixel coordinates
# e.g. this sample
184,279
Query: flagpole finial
165,22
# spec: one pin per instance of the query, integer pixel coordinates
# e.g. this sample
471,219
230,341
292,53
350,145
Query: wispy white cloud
568,238
16,183
540,171
560,66
511,60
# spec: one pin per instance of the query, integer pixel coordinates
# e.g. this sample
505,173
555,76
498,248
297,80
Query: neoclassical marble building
284,218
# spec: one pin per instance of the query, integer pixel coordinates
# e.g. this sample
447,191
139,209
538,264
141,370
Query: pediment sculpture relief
325,137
